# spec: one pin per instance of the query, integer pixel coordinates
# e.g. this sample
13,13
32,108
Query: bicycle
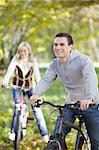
22,118
57,140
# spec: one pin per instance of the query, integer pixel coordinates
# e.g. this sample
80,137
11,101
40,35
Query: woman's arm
9,73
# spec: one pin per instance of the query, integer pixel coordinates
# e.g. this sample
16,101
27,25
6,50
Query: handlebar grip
38,103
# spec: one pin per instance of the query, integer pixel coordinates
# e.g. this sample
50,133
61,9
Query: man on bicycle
76,72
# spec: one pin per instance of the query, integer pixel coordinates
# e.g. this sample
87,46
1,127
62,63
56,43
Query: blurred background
37,22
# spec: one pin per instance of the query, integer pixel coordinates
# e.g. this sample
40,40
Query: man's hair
68,36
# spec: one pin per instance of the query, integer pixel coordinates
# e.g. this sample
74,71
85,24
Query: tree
38,21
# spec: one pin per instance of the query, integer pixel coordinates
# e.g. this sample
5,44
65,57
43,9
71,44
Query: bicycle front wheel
86,146
53,145
56,143
81,144
18,130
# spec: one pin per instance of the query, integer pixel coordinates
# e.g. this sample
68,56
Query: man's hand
84,104
33,99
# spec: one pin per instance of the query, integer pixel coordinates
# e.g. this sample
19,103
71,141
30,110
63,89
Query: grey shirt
77,75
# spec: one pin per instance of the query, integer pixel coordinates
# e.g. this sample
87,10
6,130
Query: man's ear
71,47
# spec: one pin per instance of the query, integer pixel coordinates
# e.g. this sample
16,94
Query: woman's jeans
91,119
37,112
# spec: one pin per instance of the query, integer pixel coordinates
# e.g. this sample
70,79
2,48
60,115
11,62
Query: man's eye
62,44
55,44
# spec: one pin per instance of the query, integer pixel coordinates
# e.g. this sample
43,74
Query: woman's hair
25,44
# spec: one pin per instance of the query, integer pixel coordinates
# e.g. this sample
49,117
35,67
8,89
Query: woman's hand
4,85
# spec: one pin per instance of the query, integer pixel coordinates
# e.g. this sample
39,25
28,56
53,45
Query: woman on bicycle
23,66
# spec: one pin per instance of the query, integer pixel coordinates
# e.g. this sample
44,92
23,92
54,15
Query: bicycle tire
53,145
86,146
81,144
18,131
56,143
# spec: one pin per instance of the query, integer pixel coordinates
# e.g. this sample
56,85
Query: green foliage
38,21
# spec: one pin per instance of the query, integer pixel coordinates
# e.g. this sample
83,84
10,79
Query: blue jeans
91,119
37,112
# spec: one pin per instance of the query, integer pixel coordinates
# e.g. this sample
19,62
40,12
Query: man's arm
44,84
91,83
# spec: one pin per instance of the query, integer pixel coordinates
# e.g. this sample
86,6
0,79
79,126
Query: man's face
61,48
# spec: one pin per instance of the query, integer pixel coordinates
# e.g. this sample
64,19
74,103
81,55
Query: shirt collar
73,55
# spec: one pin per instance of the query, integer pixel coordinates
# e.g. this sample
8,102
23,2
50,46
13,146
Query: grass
33,139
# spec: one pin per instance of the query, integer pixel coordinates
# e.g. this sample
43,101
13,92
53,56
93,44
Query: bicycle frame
21,118
58,135
21,121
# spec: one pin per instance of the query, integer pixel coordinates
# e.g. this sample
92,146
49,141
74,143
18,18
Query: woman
23,66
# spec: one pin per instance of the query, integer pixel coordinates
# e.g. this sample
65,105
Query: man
78,75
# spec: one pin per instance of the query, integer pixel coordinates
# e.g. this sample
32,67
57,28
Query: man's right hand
33,99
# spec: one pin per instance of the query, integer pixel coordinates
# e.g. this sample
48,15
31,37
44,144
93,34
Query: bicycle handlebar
72,105
75,105
11,86
41,102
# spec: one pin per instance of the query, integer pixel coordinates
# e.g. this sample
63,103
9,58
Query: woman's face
23,52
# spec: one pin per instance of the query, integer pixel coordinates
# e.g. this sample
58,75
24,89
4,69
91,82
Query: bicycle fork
82,139
58,134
